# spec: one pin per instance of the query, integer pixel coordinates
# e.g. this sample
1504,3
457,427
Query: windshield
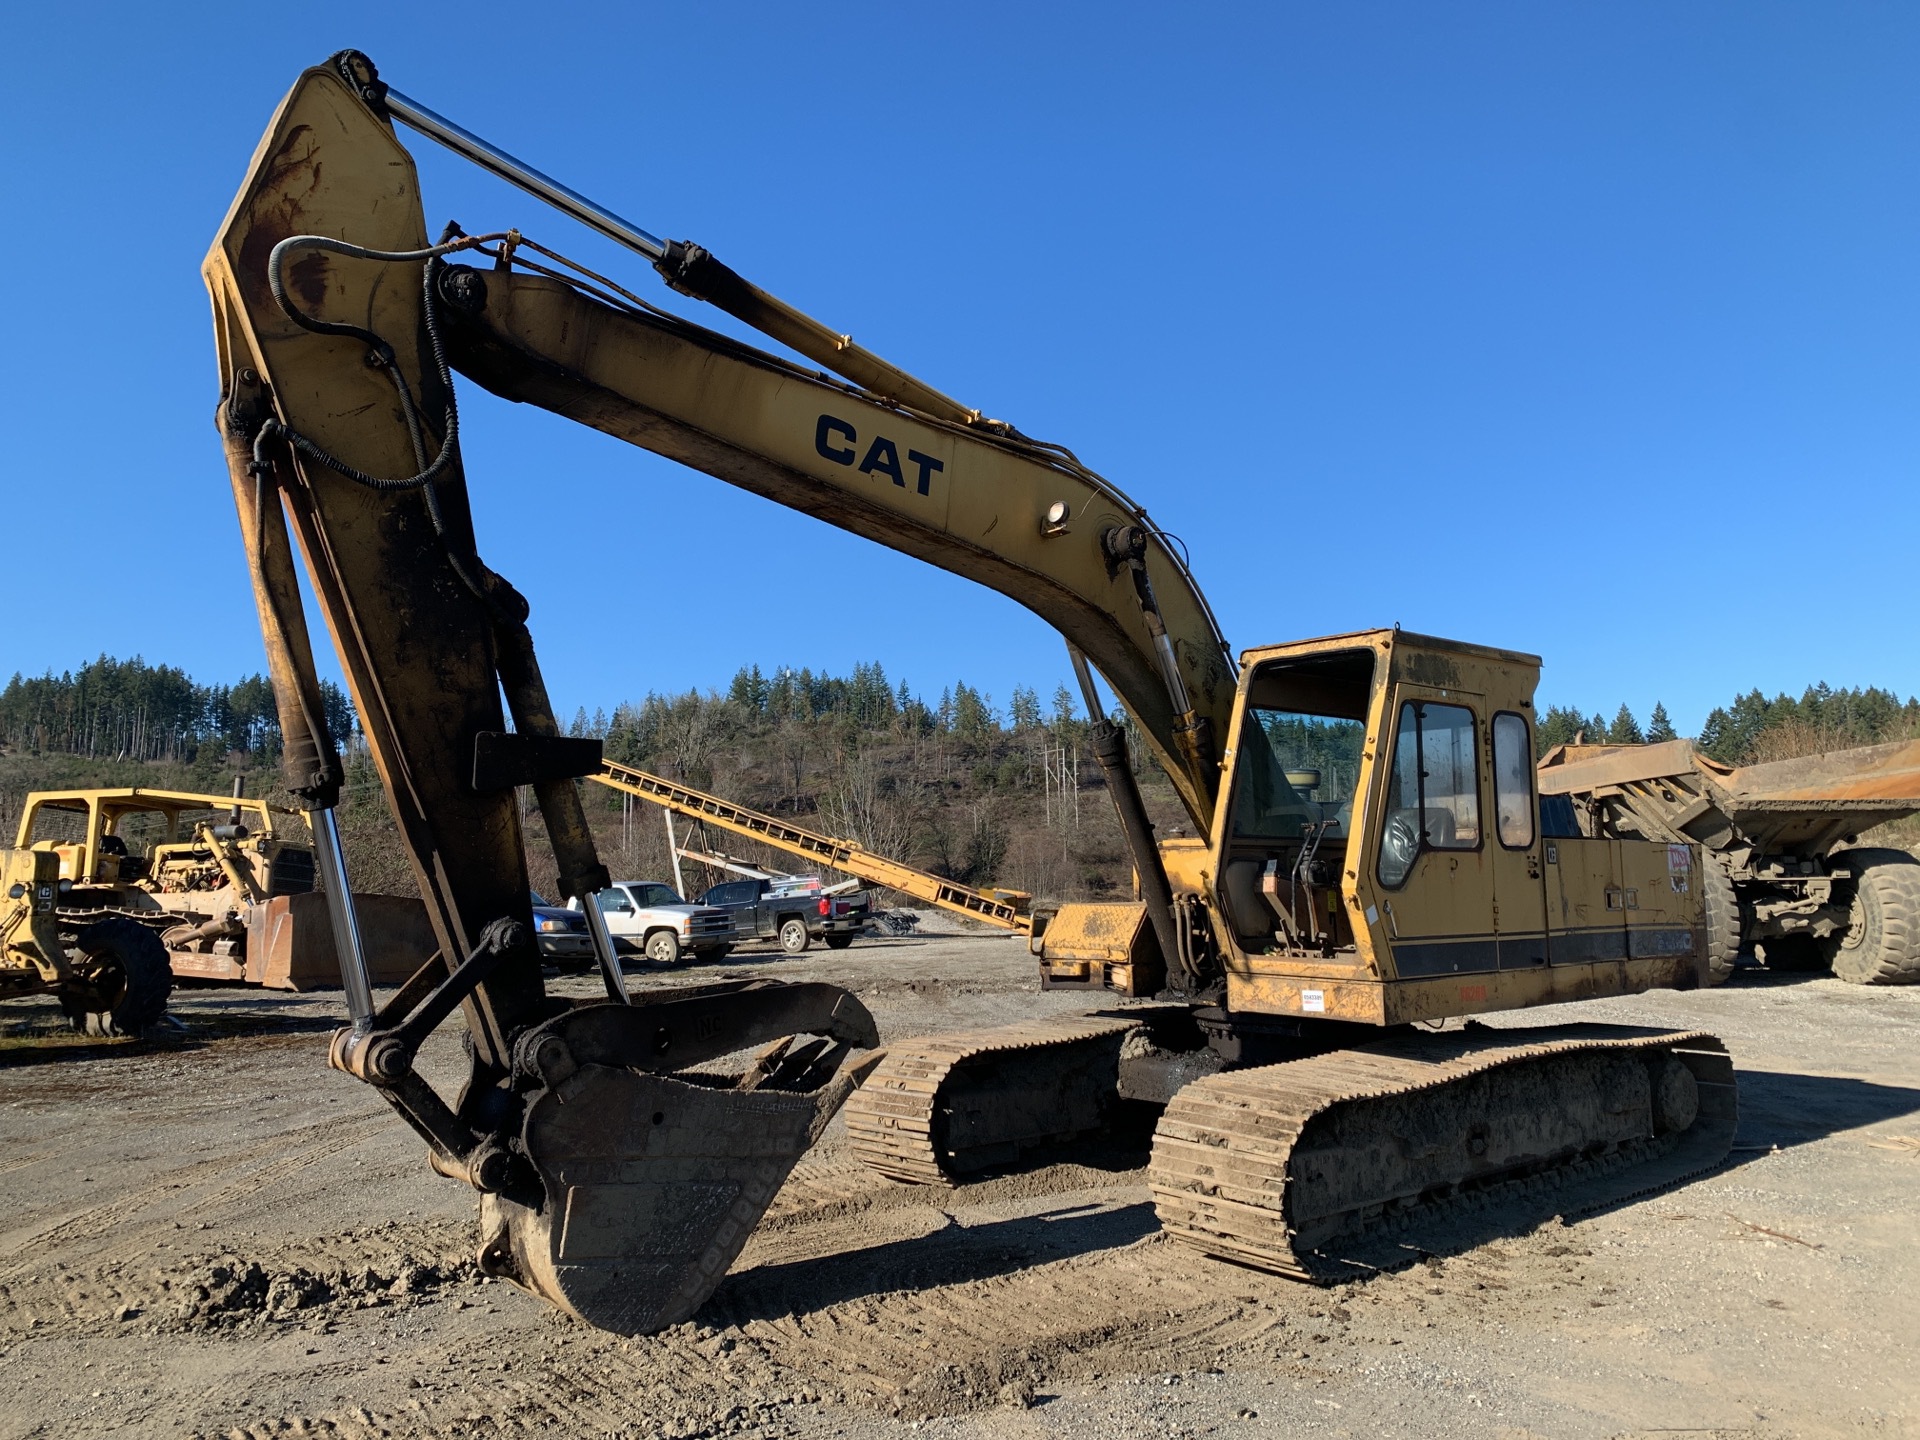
1295,769
654,894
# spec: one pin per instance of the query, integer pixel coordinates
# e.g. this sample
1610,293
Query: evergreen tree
1557,727
972,712
1062,707
1625,730
1659,727
1026,708
750,690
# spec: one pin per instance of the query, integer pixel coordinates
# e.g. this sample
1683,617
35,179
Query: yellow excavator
1366,853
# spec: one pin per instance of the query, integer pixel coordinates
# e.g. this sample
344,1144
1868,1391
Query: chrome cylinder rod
464,142
347,944
1084,674
603,951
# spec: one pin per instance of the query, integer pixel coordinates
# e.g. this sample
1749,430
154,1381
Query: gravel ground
223,1237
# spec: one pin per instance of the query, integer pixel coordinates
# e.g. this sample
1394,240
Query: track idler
652,1175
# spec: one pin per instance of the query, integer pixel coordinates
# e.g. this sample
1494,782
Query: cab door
741,900
1519,879
1434,865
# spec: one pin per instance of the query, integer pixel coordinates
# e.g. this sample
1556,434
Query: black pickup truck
795,911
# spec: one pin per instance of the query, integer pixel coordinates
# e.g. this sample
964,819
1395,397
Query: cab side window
1512,781
1433,795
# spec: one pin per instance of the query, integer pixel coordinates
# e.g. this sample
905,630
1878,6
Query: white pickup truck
648,917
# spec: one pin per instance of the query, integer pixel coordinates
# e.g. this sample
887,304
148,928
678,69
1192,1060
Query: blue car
562,936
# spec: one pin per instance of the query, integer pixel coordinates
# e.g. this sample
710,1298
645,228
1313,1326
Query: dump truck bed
1804,805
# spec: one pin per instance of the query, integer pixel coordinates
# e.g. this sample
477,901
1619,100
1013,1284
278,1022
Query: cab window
1433,793
1512,781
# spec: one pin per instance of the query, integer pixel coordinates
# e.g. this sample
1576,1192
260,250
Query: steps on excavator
1327,1168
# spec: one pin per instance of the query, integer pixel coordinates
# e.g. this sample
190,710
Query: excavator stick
618,1175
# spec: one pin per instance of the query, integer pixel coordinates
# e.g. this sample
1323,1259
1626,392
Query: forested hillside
985,792
1753,728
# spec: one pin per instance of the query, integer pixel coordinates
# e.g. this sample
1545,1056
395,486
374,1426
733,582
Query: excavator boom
984,505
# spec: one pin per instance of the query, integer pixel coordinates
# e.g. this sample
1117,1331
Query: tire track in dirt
110,1215
349,1131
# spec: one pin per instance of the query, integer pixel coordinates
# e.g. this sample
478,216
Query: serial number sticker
1314,1001
1679,859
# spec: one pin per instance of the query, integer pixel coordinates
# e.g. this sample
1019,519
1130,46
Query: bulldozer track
892,1118
1224,1166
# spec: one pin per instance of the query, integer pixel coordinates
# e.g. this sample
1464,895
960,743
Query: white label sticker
1313,1000
1373,915
1679,859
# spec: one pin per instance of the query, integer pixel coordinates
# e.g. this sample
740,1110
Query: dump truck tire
1882,942
1723,921
131,976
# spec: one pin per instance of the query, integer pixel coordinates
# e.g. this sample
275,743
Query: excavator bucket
650,1183
659,1181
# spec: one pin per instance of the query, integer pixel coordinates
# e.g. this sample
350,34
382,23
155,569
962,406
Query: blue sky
1584,329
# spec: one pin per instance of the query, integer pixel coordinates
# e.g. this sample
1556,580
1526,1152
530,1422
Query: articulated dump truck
1365,847
1785,874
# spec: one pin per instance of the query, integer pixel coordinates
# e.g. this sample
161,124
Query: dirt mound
215,1292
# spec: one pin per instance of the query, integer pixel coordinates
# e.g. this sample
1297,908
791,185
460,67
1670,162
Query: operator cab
1297,764
1381,772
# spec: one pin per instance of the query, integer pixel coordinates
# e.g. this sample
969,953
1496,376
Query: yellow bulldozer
1365,850
226,882
110,976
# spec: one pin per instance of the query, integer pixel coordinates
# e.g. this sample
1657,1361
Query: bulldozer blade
655,1183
